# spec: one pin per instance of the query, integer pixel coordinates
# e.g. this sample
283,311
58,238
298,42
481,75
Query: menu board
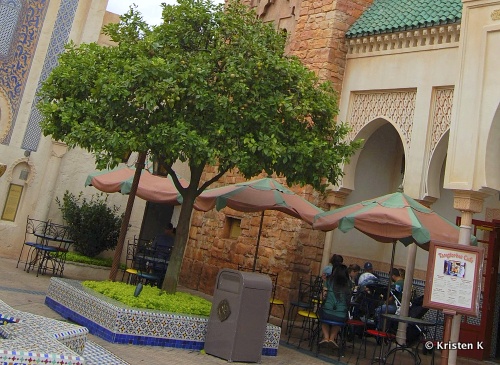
454,278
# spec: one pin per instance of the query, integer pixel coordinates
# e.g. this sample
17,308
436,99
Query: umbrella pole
381,356
258,242
389,282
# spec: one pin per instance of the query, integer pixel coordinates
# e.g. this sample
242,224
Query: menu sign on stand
453,279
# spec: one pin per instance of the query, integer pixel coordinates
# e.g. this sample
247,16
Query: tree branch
206,184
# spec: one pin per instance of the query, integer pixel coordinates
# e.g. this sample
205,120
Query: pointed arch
492,171
432,181
365,133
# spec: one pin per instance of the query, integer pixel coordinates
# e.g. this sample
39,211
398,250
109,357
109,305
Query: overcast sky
150,9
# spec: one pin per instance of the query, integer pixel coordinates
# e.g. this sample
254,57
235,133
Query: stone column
47,188
335,199
468,203
410,270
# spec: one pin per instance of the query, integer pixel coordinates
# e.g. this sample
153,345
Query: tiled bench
117,323
31,339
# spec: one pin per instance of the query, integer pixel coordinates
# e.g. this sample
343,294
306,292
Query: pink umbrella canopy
153,188
389,218
258,196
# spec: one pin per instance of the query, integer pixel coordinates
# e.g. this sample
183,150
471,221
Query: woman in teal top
337,297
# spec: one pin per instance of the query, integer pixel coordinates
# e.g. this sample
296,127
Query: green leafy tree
209,86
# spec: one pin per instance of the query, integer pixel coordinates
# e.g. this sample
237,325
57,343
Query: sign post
453,284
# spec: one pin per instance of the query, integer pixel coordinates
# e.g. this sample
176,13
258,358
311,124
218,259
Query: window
232,227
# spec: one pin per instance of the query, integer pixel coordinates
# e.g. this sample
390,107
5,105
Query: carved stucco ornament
32,170
495,14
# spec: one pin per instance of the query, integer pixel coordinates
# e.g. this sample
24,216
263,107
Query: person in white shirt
367,276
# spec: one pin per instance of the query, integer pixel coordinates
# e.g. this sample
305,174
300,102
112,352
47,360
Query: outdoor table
45,252
404,347
151,264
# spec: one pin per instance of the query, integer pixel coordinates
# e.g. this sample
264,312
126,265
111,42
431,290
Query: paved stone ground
26,292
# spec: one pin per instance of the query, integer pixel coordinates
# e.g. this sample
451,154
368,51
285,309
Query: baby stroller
413,331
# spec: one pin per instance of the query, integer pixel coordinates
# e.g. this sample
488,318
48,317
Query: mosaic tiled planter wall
36,340
117,323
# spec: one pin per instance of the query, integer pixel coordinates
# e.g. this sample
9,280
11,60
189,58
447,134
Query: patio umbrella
258,196
153,188
390,218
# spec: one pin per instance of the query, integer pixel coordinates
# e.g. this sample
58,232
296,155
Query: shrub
92,224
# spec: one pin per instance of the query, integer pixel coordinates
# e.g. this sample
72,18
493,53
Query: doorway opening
155,219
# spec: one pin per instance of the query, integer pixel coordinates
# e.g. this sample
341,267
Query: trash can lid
254,280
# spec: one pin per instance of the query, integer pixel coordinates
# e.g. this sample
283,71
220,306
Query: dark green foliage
92,224
211,85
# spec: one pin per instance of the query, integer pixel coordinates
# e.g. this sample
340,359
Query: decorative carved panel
396,106
441,115
491,214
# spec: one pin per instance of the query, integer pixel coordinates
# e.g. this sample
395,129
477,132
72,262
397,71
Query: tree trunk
181,238
126,217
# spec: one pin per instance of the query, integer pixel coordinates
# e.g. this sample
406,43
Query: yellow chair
275,301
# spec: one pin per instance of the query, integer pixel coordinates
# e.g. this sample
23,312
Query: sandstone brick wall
288,246
319,39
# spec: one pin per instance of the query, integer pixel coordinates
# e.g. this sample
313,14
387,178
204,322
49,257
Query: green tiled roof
385,16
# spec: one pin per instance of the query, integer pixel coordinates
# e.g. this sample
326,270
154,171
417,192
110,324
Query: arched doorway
377,169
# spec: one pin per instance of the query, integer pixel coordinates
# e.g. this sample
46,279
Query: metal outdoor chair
151,265
308,315
51,252
275,302
300,303
35,229
130,266
371,301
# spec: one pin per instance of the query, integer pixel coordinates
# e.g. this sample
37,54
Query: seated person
354,275
337,295
335,261
325,273
165,241
394,299
368,278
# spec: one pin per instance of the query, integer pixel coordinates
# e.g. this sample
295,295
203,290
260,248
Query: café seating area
359,340
146,262
45,247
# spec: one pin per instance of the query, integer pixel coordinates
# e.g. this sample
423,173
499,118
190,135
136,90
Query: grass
82,259
152,298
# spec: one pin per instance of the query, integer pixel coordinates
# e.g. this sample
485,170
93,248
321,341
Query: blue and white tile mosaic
32,339
117,323
21,24
60,36
97,355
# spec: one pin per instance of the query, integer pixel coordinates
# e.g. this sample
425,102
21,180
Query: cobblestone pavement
26,292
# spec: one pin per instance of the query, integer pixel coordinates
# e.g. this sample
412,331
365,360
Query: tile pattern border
117,323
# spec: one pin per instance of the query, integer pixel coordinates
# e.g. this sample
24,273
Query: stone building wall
288,246
319,39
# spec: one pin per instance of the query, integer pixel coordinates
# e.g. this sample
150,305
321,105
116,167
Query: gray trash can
238,319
